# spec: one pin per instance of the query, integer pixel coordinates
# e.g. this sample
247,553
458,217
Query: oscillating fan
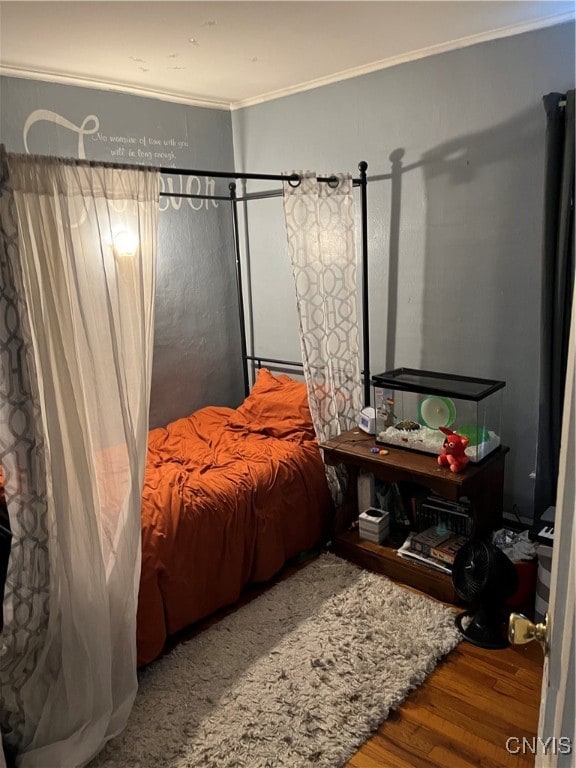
484,578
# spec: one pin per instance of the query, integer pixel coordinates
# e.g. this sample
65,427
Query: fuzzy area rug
300,676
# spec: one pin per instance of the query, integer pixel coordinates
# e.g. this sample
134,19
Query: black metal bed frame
233,199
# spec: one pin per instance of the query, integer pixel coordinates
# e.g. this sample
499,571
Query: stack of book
436,547
434,510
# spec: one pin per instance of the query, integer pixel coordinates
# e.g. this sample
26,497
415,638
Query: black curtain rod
187,196
228,175
244,198
295,177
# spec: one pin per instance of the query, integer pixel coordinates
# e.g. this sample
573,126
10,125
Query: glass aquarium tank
411,406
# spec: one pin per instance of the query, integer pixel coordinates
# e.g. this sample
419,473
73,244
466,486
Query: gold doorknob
521,630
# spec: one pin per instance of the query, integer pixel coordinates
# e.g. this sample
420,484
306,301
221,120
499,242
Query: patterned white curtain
320,226
77,269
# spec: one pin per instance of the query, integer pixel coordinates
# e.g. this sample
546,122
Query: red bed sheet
225,503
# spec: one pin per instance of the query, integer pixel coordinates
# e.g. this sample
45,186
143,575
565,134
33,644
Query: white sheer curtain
320,226
76,329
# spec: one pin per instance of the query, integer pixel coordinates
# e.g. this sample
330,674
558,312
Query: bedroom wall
454,241
197,357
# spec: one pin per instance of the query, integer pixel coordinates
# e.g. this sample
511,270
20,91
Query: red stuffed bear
453,448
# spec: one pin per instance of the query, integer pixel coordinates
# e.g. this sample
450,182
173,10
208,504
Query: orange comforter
225,504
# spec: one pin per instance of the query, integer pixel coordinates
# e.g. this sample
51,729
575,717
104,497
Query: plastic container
411,406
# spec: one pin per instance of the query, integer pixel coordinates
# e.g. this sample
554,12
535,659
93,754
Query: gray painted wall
197,344
454,241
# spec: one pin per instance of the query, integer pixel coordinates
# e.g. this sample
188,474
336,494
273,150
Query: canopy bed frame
231,494
264,499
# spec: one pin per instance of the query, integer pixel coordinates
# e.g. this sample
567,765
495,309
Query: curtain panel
76,330
557,290
320,227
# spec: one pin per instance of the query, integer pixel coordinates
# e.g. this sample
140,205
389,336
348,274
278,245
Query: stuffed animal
453,451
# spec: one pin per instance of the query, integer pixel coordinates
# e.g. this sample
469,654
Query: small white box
367,420
374,525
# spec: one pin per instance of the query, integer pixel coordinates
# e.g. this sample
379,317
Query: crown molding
85,82
421,53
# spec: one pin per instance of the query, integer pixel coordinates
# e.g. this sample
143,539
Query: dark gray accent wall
197,357
454,145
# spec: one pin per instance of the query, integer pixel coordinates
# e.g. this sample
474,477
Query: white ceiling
231,54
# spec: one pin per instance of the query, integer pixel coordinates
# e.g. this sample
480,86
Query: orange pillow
276,406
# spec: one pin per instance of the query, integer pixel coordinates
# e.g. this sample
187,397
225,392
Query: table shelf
482,484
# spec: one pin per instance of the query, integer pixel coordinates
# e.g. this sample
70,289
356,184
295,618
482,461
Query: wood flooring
473,704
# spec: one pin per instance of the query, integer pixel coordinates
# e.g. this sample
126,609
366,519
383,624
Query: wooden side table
482,484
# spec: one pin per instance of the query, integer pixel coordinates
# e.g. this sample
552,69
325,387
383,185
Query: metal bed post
234,202
363,166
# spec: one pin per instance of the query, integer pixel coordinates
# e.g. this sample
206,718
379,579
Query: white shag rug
300,676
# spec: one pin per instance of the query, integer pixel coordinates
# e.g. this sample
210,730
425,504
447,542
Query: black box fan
484,578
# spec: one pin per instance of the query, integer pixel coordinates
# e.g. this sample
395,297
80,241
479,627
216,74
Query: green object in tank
475,434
